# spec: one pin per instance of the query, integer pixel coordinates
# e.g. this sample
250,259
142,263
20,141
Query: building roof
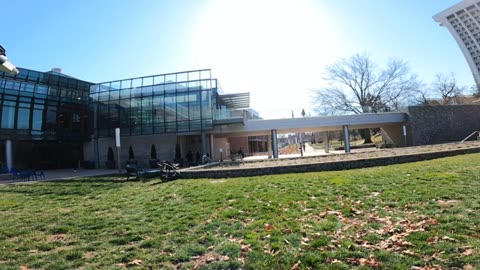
235,101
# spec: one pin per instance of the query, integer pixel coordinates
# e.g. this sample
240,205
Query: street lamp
5,65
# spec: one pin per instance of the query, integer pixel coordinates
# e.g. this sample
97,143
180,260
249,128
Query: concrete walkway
65,174
312,152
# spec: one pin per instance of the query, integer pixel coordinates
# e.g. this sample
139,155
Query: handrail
468,137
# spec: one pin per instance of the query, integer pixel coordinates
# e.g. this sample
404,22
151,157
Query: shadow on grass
68,187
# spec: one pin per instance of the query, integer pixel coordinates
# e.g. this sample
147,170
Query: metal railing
473,133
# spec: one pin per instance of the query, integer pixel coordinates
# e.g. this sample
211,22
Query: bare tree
447,88
357,85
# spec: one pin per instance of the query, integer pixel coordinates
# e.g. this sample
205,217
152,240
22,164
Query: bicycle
168,171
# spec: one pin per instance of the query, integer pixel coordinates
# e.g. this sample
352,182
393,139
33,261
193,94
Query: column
9,154
212,147
269,145
346,139
274,143
405,141
326,142
204,143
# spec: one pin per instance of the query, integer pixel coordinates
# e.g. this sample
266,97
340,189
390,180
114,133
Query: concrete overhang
310,124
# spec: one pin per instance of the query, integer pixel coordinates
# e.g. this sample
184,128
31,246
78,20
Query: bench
134,171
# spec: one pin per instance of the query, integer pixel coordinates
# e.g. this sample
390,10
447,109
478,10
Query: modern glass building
44,119
167,103
51,120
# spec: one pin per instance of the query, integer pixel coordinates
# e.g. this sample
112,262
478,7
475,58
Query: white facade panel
463,22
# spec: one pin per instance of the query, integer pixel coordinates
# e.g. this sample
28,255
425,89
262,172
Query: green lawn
424,214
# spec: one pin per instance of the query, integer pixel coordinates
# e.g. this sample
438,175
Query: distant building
463,22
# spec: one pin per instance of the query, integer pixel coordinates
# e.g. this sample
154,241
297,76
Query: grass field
423,215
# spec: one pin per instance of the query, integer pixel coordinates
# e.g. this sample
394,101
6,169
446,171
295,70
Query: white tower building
463,22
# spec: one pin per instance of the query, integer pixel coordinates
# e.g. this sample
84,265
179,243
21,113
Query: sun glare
279,45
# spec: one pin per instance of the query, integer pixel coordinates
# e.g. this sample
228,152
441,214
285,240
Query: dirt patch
447,204
57,238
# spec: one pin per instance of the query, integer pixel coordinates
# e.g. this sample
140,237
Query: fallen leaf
433,240
448,238
210,259
246,248
286,241
409,252
269,227
370,262
468,267
296,266
135,262
224,258
468,252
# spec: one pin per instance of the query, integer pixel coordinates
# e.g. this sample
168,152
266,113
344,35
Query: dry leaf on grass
269,227
136,262
296,266
466,250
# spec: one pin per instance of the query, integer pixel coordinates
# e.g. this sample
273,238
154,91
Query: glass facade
167,103
43,106
46,116
50,117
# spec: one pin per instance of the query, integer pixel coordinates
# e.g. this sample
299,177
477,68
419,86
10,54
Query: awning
235,101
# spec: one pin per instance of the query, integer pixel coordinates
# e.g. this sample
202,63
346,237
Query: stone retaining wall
438,124
327,166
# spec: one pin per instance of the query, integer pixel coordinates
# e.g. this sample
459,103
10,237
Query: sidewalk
312,152
65,174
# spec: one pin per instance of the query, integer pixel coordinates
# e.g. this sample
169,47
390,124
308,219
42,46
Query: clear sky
276,50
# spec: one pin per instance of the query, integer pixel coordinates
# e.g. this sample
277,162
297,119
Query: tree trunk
365,134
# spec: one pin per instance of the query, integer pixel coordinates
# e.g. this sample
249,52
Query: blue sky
276,50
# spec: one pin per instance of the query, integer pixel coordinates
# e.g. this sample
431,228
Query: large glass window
37,119
8,114
157,104
23,118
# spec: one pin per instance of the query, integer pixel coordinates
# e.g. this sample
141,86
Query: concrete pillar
269,145
405,141
96,152
346,139
204,143
326,142
212,146
274,143
9,154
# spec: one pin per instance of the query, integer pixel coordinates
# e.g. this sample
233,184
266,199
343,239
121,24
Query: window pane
8,117
23,118
37,120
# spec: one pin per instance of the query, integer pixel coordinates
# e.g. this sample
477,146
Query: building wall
437,124
237,142
221,142
165,145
